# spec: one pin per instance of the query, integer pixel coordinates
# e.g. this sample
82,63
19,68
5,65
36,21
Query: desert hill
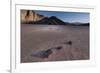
32,17
28,16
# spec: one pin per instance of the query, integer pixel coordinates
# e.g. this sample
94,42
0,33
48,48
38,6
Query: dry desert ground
72,40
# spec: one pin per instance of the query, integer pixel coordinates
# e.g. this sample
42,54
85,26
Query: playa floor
36,38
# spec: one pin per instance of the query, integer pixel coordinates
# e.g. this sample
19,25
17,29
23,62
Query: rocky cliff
29,16
32,17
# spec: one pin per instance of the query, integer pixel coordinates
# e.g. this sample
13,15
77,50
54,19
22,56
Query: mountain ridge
33,17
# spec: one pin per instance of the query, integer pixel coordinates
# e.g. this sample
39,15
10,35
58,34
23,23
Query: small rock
69,42
42,54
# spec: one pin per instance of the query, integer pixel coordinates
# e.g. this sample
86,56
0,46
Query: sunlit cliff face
30,16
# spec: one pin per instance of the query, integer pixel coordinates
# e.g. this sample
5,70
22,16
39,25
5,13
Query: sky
71,17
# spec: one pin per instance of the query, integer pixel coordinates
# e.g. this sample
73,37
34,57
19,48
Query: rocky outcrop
29,16
32,17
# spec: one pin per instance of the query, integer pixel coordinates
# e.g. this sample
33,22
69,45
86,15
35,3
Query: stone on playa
68,42
42,54
58,48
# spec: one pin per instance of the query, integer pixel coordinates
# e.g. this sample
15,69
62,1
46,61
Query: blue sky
82,17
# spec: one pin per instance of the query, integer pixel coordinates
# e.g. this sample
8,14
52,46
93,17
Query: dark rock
42,54
68,42
58,48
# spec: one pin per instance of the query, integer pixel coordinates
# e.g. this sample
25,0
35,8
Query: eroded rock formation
29,16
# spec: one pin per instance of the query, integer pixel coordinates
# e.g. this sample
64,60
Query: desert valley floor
35,38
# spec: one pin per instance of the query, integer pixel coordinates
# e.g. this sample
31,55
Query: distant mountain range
32,17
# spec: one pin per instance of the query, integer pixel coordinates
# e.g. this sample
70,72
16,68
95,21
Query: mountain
77,24
30,16
50,21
